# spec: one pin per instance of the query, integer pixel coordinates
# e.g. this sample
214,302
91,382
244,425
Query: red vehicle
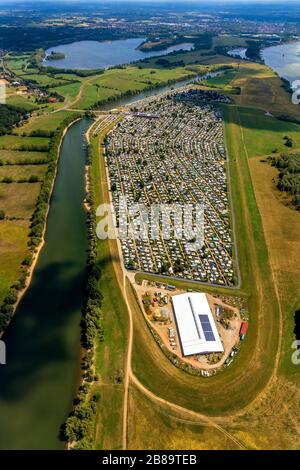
244,328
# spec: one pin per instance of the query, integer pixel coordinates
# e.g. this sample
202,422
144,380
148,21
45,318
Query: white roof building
196,327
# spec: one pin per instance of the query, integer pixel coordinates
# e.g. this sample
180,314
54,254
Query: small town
172,152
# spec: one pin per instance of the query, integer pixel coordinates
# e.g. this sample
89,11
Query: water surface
284,59
99,55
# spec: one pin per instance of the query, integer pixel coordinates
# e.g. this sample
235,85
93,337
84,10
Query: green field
220,81
21,102
46,122
110,354
264,134
15,142
17,172
18,200
42,79
13,248
16,156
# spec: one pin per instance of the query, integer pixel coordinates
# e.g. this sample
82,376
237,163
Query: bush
2,215
33,179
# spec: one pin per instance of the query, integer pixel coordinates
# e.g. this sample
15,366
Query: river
43,340
101,55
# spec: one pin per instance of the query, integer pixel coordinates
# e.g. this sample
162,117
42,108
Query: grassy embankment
110,354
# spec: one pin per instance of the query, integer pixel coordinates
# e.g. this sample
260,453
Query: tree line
288,165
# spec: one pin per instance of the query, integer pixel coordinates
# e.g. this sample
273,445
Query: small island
55,56
161,43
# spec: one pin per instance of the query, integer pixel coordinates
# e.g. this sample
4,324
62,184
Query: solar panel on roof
206,327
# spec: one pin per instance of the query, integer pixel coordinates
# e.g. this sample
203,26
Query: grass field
152,427
113,83
22,171
44,122
284,247
15,142
15,156
221,81
21,102
18,200
68,91
264,134
13,248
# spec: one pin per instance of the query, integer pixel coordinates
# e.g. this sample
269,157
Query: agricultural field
18,200
151,426
247,415
21,172
264,134
221,81
44,122
110,363
21,101
13,142
19,163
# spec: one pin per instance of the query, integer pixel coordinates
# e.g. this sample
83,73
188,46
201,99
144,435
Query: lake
284,59
100,55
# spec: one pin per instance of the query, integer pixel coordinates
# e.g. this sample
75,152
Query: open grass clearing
15,142
17,156
22,171
284,249
44,122
21,101
18,200
264,134
13,249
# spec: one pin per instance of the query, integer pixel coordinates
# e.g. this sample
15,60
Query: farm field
263,134
109,360
263,340
257,411
18,200
284,246
221,81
